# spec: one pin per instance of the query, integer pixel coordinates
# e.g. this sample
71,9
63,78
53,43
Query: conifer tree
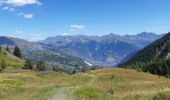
7,48
17,52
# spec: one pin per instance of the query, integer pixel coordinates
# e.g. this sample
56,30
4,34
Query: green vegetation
66,63
3,64
159,49
153,58
7,49
17,52
162,96
41,66
28,65
8,61
104,84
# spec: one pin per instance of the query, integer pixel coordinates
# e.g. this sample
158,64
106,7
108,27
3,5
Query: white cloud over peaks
75,26
28,35
20,2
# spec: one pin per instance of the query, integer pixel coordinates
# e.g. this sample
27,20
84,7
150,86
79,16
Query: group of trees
41,65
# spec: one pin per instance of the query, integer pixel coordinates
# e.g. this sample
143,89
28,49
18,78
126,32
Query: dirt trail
64,93
67,93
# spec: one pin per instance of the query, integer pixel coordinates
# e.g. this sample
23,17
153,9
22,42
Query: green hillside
12,62
153,59
159,49
105,84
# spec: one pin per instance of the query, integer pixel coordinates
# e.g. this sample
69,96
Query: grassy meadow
103,84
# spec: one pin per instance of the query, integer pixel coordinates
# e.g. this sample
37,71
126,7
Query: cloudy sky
37,19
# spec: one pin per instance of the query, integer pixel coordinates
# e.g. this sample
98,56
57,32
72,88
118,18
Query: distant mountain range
36,52
107,50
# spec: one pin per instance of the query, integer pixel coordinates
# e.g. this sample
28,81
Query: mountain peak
147,34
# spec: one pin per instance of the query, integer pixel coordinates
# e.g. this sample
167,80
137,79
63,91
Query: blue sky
37,19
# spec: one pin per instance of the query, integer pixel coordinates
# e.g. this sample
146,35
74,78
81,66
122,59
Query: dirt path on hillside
67,93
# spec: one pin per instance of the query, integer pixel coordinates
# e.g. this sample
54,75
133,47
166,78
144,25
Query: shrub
28,64
41,65
3,64
162,96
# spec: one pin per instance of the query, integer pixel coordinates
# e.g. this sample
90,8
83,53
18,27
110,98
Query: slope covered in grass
104,84
12,61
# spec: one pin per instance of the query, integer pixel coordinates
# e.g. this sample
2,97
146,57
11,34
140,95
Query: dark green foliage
159,49
28,65
153,58
41,66
17,52
3,64
0,48
7,49
156,66
56,69
162,96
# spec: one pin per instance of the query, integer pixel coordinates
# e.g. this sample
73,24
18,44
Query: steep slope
158,49
153,59
107,50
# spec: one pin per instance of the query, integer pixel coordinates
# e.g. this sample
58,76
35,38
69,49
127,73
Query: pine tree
7,48
17,52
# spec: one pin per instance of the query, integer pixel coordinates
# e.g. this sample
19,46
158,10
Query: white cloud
11,5
8,8
20,14
28,35
75,26
64,34
20,2
28,16
5,8
72,30
19,32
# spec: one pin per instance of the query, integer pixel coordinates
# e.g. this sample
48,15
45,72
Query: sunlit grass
104,84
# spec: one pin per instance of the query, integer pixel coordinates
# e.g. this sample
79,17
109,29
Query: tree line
159,66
